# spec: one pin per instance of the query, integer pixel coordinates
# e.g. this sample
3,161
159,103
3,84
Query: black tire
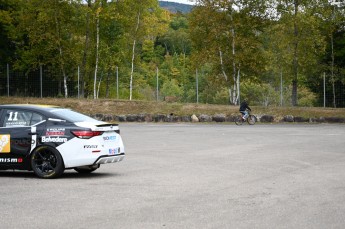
86,169
239,120
46,162
251,119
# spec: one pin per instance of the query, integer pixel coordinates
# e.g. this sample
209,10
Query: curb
218,118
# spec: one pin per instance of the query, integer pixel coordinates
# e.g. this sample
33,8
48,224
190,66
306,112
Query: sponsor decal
109,138
16,123
5,143
23,142
90,146
113,151
11,160
54,139
55,132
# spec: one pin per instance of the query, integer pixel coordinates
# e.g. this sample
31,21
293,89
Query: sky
190,2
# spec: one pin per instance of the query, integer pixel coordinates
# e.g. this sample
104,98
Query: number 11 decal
13,118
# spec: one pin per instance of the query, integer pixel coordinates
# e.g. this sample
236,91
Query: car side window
36,118
16,118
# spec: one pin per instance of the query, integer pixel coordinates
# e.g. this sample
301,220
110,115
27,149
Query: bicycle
251,119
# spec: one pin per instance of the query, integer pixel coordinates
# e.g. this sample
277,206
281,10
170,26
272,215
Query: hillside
175,7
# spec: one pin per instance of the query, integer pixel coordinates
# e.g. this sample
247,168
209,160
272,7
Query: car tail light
86,134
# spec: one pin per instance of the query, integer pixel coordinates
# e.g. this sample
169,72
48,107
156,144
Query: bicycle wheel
251,119
239,120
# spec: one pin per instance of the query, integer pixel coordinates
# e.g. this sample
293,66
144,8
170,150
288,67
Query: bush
306,98
171,88
260,94
222,96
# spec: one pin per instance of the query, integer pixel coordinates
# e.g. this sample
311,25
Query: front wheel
46,162
239,120
251,119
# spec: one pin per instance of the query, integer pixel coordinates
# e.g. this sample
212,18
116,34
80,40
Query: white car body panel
81,152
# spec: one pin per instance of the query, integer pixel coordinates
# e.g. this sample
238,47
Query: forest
268,52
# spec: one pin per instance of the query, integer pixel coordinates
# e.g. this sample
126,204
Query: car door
18,135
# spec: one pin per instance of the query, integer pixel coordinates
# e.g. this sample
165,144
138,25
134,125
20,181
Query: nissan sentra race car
50,139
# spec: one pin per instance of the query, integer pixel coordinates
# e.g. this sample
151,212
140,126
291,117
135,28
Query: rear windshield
72,116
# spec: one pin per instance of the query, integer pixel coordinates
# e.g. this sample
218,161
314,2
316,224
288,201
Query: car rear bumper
110,159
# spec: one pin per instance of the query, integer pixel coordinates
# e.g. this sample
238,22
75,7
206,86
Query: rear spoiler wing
108,127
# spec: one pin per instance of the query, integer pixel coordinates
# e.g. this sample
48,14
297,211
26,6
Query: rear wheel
239,120
251,119
86,169
46,162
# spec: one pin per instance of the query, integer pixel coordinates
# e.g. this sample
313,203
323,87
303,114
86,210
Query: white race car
50,139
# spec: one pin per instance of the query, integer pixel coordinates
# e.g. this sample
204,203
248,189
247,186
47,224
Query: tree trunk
107,86
61,61
133,57
97,55
222,64
86,48
295,57
238,86
99,84
234,95
132,70
332,71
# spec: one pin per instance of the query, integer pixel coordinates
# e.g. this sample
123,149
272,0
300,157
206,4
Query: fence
43,83
34,84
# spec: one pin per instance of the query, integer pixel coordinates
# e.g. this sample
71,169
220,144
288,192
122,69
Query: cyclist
244,109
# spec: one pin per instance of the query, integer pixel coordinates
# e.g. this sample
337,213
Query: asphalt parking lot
194,176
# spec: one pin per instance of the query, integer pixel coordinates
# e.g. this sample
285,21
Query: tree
112,39
87,11
334,16
331,62
142,22
45,36
176,40
98,11
7,25
226,33
302,40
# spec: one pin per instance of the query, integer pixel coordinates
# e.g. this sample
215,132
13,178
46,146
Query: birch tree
86,45
141,21
98,11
